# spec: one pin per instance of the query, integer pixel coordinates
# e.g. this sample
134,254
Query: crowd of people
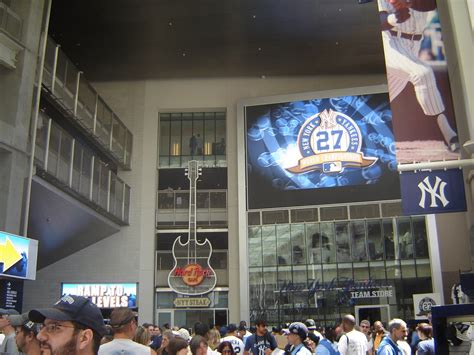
74,325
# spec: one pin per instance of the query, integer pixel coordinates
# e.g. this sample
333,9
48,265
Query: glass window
209,133
283,245
313,243
405,238
198,133
271,289
389,238
164,138
175,138
420,237
192,135
342,242
188,140
255,246
374,240
328,247
269,246
359,252
220,136
298,247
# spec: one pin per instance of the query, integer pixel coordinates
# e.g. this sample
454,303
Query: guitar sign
192,273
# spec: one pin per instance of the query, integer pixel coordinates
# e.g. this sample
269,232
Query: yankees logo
330,141
436,192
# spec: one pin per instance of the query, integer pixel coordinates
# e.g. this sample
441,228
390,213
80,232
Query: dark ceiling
138,39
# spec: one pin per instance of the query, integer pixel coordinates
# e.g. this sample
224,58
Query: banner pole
436,165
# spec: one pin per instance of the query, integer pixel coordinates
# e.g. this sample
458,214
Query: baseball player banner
439,191
420,94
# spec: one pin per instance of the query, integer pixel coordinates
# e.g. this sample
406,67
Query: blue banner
439,191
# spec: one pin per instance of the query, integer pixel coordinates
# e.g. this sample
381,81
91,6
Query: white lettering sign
371,294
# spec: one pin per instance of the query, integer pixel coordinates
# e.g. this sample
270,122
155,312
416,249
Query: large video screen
321,151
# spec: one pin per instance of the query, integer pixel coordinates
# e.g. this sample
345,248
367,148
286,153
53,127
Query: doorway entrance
188,317
373,313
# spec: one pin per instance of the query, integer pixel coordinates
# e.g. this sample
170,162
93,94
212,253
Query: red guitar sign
192,273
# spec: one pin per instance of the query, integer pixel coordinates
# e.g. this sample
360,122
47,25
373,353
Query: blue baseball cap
75,309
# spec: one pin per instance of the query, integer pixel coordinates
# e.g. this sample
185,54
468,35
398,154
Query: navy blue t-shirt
258,344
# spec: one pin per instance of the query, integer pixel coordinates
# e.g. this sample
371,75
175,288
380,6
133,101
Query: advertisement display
420,94
299,152
104,295
18,256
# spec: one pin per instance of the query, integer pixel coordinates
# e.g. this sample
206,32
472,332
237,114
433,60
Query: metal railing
173,206
75,166
10,22
76,95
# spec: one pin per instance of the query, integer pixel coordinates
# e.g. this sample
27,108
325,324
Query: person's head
261,327
364,326
310,324
74,325
184,334
108,337
397,329
338,330
166,326
225,348
142,335
298,333
123,322
378,326
167,336
241,331
5,325
213,338
26,332
231,329
201,329
198,345
424,331
157,331
348,323
178,346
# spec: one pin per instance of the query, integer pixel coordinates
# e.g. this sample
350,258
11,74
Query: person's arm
273,343
248,345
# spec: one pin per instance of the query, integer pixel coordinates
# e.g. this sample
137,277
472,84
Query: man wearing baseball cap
8,346
297,336
26,332
74,325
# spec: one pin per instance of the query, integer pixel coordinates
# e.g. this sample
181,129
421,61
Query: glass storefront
326,269
186,136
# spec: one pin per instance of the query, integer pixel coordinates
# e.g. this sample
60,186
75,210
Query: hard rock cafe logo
329,142
193,274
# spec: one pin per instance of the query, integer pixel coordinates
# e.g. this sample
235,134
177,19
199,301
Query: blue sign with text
439,191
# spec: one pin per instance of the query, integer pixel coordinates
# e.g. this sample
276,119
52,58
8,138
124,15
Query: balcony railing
173,208
68,86
10,22
75,167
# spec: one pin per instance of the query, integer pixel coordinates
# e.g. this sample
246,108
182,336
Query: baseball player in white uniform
403,23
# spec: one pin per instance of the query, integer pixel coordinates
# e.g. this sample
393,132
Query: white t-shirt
237,344
404,347
357,344
124,347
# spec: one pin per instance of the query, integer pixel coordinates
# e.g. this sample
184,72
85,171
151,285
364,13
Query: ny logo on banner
436,192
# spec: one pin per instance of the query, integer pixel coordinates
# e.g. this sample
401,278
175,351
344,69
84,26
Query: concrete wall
16,87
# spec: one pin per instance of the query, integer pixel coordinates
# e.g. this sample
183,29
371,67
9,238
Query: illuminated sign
18,256
105,295
193,274
192,302
329,150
